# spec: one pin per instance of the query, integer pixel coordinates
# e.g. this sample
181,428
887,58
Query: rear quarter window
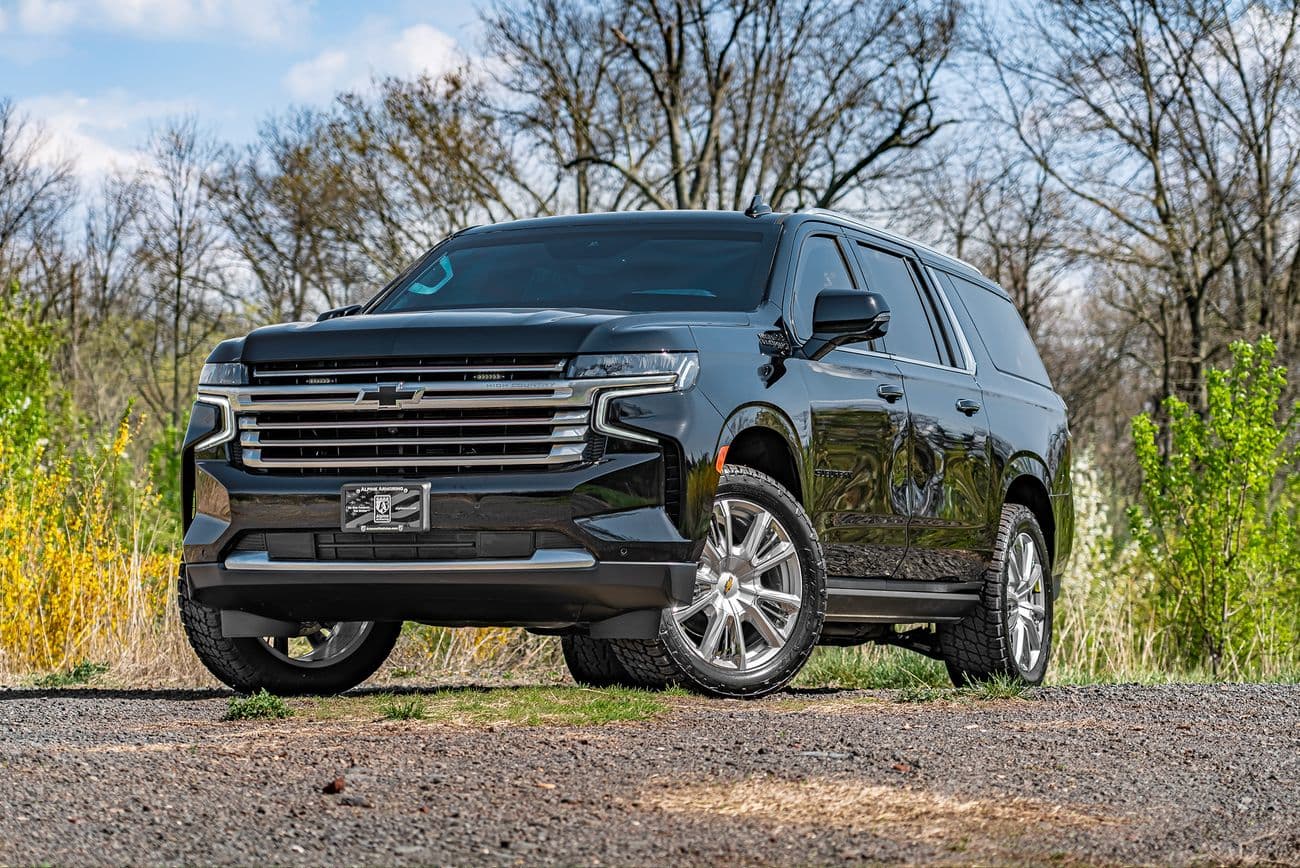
1001,330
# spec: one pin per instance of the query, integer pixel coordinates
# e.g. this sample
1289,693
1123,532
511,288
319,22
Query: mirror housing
841,316
335,313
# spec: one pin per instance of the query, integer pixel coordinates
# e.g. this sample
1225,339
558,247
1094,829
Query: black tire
247,665
667,660
592,663
980,646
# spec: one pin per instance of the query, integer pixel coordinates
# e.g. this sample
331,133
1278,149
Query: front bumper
550,589
619,550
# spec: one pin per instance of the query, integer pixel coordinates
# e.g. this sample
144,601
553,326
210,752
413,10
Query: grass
505,706
83,673
998,687
871,667
402,707
258,706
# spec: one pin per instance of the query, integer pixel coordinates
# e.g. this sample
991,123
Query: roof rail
892,236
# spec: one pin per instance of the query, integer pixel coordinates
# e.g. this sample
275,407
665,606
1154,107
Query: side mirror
337,312
841,316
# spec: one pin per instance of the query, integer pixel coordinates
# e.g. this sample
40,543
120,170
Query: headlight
685,366
223,374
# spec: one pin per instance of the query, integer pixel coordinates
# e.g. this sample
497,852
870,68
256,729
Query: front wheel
326,659
759,601
1009,633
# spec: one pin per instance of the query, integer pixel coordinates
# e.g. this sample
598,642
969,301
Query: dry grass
980,830
502,706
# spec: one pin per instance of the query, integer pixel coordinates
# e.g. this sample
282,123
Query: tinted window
820,267
628,268
910,335
1002,331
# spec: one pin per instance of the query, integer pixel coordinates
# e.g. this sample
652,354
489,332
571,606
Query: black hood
471,332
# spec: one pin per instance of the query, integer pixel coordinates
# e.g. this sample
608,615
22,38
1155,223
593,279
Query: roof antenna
757,207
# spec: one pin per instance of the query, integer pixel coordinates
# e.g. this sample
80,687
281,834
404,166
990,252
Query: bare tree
184,269
420,160
280,199
698,103
1173,122
36,193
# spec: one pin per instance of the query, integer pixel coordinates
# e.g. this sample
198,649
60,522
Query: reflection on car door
858,424
949,488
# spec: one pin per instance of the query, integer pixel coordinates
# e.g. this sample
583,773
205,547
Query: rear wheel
592,662
759,601
324,659
1009,634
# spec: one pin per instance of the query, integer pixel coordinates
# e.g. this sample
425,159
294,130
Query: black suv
693,445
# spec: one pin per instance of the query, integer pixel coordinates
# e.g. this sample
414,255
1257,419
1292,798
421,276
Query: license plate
385,508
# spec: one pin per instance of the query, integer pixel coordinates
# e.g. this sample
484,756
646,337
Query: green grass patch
409,707
258,706
915,693
996,688
507,706
871,667
83,673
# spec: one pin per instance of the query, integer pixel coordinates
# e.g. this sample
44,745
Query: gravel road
1105,774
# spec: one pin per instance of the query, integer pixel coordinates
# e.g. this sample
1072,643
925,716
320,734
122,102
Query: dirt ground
1175,774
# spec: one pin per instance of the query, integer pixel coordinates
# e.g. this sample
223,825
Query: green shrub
83,673
1217,520
258,706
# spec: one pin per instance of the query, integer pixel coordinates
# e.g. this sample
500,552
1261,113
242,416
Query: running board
893,601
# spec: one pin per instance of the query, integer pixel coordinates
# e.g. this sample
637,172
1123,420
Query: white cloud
100,133
378,51
259,20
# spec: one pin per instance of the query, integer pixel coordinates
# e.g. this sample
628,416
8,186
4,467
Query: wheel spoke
728,543
737,631
1033,611
699,605
711,553
712,634
755,615
755,536
779,555
789,602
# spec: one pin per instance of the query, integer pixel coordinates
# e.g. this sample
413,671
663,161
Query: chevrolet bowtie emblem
389,395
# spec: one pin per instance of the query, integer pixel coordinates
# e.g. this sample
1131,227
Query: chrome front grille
400,416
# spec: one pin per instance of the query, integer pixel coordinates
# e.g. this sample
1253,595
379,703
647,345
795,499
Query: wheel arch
762,437
1025,483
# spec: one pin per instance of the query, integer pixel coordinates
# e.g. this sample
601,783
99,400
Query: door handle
889,392
968,406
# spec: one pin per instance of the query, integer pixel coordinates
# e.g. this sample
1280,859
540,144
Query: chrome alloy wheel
1026,602
748,590
320,644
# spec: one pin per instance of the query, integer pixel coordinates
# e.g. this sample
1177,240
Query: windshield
625,268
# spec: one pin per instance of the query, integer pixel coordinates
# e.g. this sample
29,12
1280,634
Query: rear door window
1001,330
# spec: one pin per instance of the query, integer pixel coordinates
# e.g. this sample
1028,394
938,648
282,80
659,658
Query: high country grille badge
390,395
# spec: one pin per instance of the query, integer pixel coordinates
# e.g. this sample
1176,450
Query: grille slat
404,415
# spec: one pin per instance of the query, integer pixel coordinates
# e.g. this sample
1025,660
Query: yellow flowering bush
82,575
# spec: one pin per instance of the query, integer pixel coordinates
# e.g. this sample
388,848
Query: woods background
1129,170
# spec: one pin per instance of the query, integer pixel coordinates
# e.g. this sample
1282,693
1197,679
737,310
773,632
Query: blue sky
99,73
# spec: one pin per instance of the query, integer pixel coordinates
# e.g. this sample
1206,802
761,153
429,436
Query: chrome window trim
937,285
859,223
905,359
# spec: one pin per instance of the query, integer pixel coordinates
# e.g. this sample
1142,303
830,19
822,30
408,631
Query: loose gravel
1177,774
